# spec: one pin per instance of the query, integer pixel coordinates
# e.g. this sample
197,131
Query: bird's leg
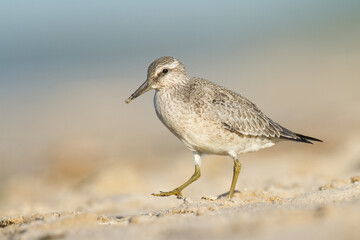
177,191
237,168
193,178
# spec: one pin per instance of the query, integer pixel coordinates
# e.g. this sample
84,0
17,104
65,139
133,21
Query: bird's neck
179,92
176,84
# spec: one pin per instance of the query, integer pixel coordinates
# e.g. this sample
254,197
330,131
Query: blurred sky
67,66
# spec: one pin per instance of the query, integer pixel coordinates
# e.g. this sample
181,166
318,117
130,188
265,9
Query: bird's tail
305,139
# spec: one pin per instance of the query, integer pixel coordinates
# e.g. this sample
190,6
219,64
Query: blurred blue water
98,36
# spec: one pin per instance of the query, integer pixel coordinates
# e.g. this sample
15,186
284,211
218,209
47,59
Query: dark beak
141,90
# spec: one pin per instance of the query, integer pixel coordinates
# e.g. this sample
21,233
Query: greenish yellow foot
175,192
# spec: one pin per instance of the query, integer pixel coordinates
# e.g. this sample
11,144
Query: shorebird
208,118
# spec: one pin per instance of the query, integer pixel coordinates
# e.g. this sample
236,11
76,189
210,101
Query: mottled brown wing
238,114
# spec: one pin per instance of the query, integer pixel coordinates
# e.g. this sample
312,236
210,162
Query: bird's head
163,73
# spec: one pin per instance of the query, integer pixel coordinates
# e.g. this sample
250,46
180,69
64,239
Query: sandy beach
292,191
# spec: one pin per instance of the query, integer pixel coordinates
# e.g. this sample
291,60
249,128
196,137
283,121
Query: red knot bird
208,118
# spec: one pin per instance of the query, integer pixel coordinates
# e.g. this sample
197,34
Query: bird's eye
165,70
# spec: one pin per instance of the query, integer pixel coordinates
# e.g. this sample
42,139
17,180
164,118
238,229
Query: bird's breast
172,112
